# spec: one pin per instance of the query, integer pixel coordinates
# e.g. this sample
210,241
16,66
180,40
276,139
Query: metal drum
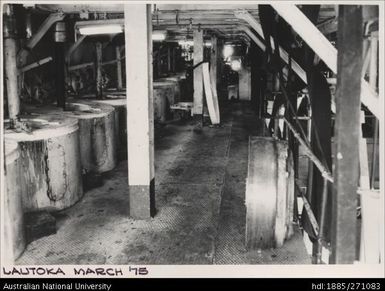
50,176
13,225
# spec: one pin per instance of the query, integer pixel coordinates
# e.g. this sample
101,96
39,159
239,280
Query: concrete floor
200,186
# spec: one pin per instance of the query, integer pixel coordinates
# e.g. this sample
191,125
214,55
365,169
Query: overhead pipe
10,53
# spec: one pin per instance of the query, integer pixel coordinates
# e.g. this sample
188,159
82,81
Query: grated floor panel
199,199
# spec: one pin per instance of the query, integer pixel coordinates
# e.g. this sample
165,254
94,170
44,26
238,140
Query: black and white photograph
192,133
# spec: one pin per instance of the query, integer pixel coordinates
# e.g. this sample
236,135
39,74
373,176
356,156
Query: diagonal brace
324,49
46,25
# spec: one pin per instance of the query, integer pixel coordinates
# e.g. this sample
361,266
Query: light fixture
159,35
228,51
101,29
185,43
236,65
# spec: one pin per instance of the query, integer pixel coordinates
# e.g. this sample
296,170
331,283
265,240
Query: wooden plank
213,62
214,114
140,122
347,135
215,100
364,185
309,33
371,227
370,210
364,161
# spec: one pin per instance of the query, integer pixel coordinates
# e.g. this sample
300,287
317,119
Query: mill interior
191,134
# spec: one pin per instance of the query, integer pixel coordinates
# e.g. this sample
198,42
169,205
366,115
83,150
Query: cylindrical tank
96,132
176,80
50,176
164,96
120,120
13,225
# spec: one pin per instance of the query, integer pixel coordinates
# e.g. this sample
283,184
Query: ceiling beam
77,8
187,22
205,6
199,14
283,54
256,40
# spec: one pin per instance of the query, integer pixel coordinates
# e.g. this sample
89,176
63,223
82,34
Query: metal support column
347,135
10,50
119,68
99,76
60,64
140,111
198,79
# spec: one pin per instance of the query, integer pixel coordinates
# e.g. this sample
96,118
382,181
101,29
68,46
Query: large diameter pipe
10,51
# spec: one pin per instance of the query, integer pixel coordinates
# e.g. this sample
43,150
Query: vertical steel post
118,68
347,134
99,76
140,111
213,61
10,51
198,80
60,38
